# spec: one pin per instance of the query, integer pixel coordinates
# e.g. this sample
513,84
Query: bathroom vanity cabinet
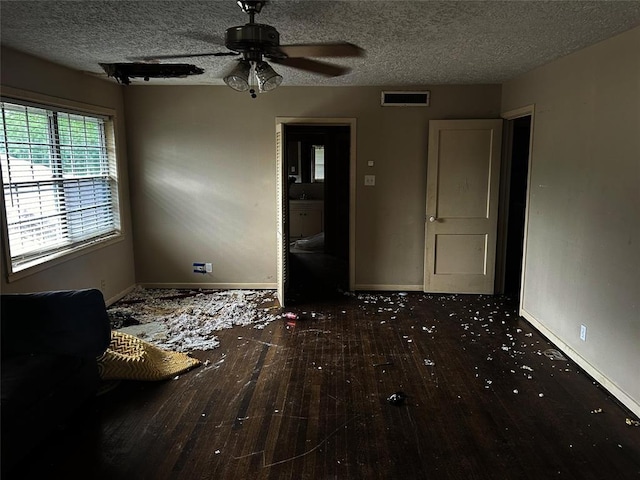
306,218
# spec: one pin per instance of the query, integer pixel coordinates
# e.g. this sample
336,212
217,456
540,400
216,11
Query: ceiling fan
255,42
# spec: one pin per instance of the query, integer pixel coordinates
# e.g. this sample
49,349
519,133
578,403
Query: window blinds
59,182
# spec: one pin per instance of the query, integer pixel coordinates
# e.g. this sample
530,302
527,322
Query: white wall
583,256
112,265
203,178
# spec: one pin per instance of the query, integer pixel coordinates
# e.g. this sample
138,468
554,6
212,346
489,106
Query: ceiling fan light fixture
268,78
238,78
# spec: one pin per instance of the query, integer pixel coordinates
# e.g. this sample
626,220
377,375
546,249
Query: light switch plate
369,180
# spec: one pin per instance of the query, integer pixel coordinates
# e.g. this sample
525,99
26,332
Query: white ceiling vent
405,99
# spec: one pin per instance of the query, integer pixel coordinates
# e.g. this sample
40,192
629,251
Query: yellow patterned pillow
129,358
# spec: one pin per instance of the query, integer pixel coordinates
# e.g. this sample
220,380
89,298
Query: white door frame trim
512,115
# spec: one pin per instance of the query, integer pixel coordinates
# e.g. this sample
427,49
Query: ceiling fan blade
342,49
326,69
185,55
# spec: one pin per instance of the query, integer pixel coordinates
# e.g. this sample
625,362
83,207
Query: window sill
61,257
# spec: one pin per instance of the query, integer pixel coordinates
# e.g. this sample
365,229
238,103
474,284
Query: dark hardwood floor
483,401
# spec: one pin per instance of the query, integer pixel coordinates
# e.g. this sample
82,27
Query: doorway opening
515,204
317,163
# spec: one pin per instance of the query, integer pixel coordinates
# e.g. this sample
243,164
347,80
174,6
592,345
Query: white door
462,205
281,220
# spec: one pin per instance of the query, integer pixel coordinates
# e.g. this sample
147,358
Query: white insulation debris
188,320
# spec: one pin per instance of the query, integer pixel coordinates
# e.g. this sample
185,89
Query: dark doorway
518,180
317,163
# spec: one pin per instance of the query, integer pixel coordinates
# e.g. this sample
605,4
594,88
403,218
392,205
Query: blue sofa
50,342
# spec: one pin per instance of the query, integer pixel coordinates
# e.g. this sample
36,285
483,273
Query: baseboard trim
118,296
212,286
616,391
273,286
388,287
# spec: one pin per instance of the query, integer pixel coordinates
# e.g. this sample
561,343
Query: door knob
432,219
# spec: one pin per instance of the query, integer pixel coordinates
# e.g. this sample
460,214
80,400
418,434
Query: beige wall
112,264
203,188
583,257
203,178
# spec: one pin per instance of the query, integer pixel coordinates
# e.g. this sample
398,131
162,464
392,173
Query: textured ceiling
406,42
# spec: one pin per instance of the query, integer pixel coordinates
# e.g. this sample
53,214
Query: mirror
305,161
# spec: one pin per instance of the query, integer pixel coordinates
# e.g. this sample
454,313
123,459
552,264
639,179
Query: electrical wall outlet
370,180
199,267
583,333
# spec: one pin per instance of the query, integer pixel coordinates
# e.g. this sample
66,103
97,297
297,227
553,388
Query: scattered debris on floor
188,320
154,332
597,410
379,304
120,319
632,423
397,398
291,319
494,327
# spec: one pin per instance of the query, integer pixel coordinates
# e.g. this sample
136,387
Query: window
318,163
59,181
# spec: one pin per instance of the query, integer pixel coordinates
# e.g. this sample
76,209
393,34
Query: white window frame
314,169
17,270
